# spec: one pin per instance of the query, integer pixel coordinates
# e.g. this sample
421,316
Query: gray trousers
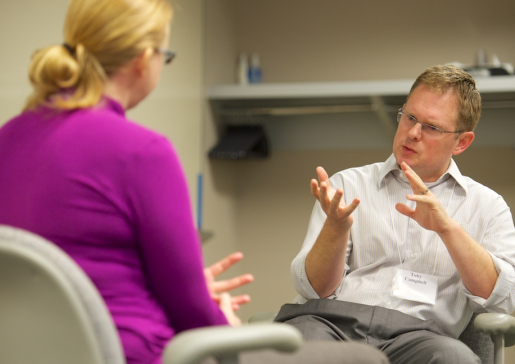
404,339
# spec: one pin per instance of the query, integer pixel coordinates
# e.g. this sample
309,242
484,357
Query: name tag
413,286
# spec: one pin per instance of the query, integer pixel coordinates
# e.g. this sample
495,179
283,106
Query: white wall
175,108
220,203
24,27
334,40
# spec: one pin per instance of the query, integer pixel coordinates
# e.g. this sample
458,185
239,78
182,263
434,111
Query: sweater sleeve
168,240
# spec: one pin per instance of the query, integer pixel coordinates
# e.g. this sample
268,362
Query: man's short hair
443,78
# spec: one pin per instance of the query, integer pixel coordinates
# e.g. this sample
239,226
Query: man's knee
453,351
423,347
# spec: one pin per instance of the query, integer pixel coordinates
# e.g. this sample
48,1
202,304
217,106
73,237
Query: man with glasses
406,276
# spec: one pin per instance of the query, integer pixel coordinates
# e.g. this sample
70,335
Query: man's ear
142,60
463,142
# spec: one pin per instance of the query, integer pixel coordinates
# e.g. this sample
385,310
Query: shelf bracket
383,113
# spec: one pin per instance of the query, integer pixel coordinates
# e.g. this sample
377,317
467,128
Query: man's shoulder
478,189
111,129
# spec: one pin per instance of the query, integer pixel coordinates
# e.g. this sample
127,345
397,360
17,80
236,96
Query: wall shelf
356,114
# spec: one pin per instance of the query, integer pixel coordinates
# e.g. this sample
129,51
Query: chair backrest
480,343
50,312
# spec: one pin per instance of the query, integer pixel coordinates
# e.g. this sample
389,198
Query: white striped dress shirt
381,238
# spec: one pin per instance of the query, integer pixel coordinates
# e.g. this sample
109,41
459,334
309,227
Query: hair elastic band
69,49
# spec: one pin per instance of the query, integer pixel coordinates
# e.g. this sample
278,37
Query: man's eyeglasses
168,54
428,129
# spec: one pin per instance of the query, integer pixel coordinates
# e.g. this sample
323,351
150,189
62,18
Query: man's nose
416,131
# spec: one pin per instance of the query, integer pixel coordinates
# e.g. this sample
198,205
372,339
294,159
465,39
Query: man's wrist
451,228
334,231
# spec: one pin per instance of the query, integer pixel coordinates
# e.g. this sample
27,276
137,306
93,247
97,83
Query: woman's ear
142,60
463,142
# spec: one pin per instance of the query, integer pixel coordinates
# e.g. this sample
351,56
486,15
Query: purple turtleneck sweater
113,195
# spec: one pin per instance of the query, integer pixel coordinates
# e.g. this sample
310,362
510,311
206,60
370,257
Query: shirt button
388,304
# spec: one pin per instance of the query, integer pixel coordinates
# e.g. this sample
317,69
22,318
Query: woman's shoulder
109,125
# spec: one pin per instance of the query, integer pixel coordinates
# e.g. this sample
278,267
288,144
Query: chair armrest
191,346
497,323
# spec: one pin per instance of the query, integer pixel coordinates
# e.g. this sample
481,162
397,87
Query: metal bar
291,111
510,104
498,348
382,111
378,105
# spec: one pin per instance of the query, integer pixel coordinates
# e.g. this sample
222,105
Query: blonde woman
112,193
108,191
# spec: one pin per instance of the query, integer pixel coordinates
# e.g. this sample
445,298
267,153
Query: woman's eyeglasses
168,54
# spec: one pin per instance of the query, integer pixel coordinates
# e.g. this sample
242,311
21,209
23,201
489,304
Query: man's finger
336,200
323,197
405,210
315,191
417,185
322,174
353,205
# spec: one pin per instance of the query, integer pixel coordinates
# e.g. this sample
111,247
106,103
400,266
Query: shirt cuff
300,279
501,299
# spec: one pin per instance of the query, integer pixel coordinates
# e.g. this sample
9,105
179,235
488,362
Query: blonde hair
101,36
443,78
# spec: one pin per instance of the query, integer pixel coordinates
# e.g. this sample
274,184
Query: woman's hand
216,289
226,306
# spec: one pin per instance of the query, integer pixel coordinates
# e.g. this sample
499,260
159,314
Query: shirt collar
391,166
112,104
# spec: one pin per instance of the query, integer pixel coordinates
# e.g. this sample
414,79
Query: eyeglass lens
410,121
